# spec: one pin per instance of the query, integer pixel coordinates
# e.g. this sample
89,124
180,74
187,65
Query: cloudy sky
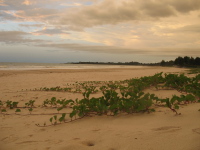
60,31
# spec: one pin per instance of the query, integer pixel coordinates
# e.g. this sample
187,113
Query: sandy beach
160,130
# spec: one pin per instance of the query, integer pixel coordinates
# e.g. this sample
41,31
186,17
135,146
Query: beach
159,130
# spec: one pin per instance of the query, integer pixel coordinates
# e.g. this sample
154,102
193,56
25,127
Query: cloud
156,9
29,10
122,50
2,3
27,2
16,5
13,37
31,25
7,15
71,5
13,5
195,28
185,6
95,12
107,12
37,12
92,48
115,12
119,26
50,32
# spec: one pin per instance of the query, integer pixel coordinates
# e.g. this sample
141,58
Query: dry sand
161,130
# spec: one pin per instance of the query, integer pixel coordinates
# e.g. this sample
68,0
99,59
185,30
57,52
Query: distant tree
163,63
197,61
179,61
171,63
191,62
186,60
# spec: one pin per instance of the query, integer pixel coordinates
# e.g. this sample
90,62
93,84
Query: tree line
182,62
185,61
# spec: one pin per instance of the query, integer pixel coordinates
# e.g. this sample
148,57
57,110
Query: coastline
62,66
154,131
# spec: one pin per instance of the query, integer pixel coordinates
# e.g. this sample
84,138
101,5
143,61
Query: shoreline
67,67
65,70
47,66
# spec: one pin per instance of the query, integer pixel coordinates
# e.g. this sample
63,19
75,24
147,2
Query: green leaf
176,106
26,104
152,110
72,114
18,110
115,112
60,108
55,117
174,98
15,104
51,119
30,109
61,119
168,103
3,110
63,115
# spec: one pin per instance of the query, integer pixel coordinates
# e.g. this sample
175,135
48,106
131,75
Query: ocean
38,66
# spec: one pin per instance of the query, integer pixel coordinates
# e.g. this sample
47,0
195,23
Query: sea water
39,66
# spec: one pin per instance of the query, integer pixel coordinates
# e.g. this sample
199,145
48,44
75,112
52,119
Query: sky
60,31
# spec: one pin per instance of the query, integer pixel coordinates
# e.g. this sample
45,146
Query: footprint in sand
59,141
11,138
54,141
76,139
43,129
197,130
27,142
88,143
3,139
96,130
168,128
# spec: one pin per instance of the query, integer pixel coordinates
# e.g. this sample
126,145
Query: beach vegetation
17,110
30,103
11,104
30,110
116,97
3,110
